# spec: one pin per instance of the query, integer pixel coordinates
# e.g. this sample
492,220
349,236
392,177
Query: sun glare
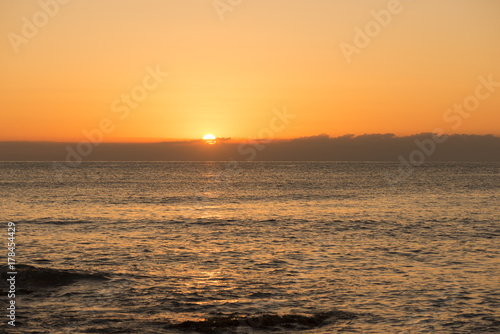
209,139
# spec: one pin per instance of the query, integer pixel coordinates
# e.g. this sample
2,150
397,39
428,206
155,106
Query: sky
167,70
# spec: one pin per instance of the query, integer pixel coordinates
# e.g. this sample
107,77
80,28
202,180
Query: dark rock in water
262,322
30,276
24,291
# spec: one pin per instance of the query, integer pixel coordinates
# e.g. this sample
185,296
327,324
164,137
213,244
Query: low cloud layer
373,147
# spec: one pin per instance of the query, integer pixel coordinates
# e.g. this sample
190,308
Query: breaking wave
262,322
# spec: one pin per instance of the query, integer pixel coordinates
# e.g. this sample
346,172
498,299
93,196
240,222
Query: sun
210,139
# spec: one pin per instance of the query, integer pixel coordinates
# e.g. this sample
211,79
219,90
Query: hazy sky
227,76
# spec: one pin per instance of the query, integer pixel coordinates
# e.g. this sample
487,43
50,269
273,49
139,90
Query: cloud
368,147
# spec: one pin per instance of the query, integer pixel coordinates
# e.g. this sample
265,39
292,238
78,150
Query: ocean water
219,247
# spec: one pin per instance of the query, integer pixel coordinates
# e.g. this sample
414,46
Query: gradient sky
227,76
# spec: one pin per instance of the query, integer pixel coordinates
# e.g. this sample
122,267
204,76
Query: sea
252,247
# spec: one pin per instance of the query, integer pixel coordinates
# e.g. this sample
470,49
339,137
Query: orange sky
226,76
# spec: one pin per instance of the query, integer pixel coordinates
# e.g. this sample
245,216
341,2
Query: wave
42,277
263,322
68,221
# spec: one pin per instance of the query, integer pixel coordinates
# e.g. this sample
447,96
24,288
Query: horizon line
231,140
